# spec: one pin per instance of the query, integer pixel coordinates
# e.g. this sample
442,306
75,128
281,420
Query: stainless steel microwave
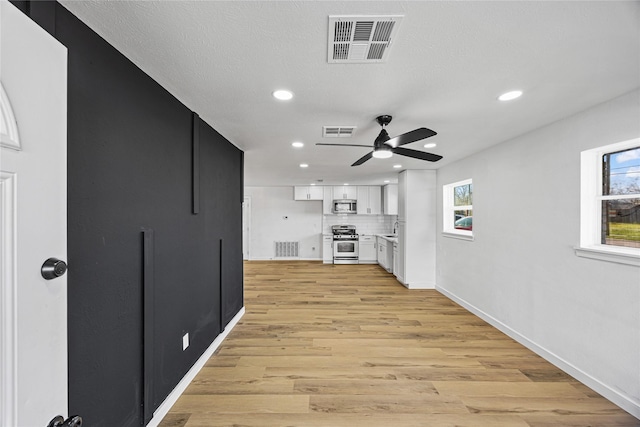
344,206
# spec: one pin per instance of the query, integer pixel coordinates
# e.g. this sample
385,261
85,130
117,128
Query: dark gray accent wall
144,269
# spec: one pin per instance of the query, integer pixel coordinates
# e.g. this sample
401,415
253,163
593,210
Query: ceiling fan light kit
382,153
384,146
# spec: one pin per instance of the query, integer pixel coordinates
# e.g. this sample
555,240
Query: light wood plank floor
347,345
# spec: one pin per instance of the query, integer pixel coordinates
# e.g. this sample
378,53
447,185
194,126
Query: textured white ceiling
448,64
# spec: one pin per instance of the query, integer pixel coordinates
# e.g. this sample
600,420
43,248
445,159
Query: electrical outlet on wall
185,341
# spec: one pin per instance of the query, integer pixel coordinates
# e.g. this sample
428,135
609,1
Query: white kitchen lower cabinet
327,248
385,254
367,250
395,259
398,271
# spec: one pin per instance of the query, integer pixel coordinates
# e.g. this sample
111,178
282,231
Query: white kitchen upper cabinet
316,192
363,200
390,199
311,192
345,192
369,200
327,200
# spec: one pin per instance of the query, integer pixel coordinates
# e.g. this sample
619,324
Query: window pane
463,220
463,195
621,172
621,222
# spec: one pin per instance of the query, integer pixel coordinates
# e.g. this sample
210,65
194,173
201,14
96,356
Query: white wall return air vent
287,249
338,131
361,39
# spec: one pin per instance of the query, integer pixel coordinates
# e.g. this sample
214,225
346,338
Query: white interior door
33,197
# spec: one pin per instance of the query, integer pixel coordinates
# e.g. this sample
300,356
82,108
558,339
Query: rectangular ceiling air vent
361,39
338,131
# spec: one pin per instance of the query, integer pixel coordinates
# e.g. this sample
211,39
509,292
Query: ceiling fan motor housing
381,139
384,119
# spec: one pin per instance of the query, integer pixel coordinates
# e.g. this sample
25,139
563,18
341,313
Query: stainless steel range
345,244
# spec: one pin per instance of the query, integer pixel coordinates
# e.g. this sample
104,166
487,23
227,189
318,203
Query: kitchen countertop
389,237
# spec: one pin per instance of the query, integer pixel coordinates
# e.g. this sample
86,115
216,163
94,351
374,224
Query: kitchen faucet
395,227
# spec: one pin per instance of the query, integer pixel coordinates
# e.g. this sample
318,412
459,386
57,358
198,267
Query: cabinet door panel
300,193
315,193
375,200
391,199
363,200
327,201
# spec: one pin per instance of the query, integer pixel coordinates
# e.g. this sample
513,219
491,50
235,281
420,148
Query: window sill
460,236
620,255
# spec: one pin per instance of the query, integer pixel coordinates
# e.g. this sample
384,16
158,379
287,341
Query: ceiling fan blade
363,159
409,137
417,154
344,145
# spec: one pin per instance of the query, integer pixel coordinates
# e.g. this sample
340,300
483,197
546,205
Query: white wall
269,206
521,272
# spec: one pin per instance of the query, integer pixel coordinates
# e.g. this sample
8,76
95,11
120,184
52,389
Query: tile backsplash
365,224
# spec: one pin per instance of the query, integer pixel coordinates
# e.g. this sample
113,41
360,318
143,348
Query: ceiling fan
384,146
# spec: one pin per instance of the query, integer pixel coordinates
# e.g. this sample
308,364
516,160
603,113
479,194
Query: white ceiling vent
338,131
361,39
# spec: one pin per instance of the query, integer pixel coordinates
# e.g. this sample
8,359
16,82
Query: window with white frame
457,206
610,203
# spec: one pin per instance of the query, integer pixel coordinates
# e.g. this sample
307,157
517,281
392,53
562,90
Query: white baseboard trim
420,285
165,406
622,400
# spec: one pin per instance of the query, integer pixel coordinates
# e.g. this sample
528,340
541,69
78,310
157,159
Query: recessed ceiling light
283,95
397,166
346,183
304,165
430,145
313,183
510,95
386,181
297,144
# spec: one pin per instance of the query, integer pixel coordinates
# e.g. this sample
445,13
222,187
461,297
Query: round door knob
56,421
52,268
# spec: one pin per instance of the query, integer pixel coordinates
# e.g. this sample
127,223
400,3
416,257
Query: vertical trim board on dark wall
221,173
148,322
195,162
221,279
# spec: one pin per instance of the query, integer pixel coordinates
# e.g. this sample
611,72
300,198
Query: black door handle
53,268
59,421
